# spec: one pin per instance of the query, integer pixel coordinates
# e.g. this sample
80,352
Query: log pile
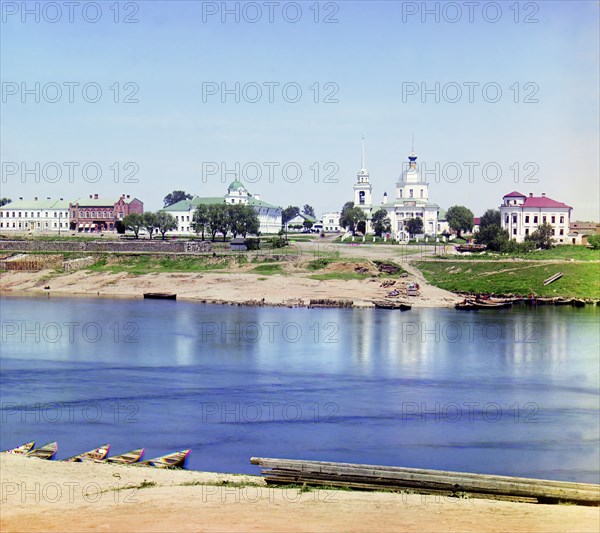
371,477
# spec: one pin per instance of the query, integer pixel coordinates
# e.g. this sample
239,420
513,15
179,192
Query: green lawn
580,280
268,269
145,264
578,253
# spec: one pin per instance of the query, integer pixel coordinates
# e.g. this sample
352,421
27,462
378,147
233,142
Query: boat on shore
47,451
127,458
160,296
389,304
172,460
21,450
474,305
97,454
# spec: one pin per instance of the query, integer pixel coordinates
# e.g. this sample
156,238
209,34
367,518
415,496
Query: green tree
289,212
351,218
174,197
218,220
165,222
308,210
460,219
134,222
4,201
542,237
494,237
594,241
491,217
200,219
414,226
381,222
243,220
149,222
307,224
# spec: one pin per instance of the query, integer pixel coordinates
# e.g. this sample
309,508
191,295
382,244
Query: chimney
47,197
530,195
20,197
128,196
544,195
36,198
90,196
95,196
61,199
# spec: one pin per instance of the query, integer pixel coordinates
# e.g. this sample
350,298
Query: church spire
362,160
363,173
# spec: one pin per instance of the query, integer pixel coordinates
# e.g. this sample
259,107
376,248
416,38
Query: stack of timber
371,477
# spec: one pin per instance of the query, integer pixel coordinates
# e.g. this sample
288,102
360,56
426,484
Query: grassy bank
565,253
580,280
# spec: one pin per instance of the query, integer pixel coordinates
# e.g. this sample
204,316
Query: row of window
33,215
556,231
25,225
535,219
411,193
92,214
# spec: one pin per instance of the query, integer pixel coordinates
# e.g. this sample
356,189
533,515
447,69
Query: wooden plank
347,474
307,466
450,484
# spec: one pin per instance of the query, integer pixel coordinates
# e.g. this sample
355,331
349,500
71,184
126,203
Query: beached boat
387,304
47,451
563,301
474,305
21,450
578,303
160,296
172,460
126,458
97,454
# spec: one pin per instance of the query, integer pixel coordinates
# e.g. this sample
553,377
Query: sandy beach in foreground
52,496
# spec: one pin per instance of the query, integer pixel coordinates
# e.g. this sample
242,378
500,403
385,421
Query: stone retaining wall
157,246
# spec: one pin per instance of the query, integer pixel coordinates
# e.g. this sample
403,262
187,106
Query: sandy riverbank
235,287
51,496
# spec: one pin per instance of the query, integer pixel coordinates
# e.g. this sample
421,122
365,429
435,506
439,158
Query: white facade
269,216
331,222
521,215
411,201
35,216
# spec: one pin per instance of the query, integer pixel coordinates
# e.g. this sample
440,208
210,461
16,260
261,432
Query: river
511,392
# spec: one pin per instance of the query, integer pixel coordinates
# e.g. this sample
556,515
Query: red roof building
521,216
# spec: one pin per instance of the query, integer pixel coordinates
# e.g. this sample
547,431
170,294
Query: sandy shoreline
52,496
213,287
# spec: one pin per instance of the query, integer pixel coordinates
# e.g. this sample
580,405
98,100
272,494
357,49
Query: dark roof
543,201
514,194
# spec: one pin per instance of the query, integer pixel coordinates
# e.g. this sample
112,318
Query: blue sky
367,57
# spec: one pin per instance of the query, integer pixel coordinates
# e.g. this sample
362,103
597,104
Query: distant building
521,215
330,222
269,216
299,220
580,231
94,214
35,216
411,200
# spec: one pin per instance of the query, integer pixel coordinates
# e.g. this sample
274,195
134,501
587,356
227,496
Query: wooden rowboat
126,458
472,305
21,450
97,454
172,460
387,304
160,296
47,451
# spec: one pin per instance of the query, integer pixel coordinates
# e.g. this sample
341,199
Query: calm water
510,392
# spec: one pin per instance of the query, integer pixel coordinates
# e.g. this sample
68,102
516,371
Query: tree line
237,219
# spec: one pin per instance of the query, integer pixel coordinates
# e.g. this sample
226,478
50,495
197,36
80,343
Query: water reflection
512,392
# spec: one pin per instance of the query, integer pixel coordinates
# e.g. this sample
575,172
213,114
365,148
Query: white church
411,200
